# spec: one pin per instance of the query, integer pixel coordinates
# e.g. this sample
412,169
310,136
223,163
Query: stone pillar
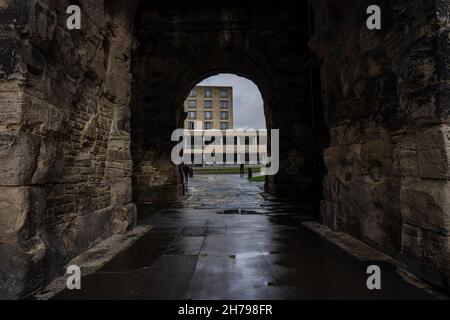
65,163
26,154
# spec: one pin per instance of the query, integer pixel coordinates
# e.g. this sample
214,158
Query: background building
209,107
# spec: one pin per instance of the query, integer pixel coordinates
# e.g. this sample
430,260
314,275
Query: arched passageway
171,58
86,118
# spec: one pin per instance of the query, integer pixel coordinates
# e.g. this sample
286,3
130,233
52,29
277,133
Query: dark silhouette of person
186,171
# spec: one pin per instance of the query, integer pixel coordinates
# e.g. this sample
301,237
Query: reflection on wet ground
228,242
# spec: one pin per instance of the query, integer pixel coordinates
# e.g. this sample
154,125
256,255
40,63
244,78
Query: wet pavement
229,242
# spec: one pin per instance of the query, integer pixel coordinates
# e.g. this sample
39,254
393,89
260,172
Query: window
223,104
208,125
193,93
208,93
208,104
224,126
192,104
208,115
192,115
191,125
223,93
224,115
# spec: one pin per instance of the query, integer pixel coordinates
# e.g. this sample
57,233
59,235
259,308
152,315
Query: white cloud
248,103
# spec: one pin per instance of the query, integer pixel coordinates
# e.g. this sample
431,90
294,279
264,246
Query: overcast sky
248,103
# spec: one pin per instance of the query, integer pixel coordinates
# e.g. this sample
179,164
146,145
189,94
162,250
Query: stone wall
65,162
385,95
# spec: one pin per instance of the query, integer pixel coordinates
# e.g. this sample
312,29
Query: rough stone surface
386,106
65,160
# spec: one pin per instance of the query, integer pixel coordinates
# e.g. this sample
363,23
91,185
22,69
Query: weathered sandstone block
427,254
433,150
19,152
84,231
426,204
15,206
329,214
405,155
121,191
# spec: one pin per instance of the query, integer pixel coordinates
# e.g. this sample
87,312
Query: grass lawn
224,170
258,179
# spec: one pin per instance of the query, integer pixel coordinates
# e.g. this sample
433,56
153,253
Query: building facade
209,108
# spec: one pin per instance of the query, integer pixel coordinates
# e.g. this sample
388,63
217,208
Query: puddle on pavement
240,211
249,255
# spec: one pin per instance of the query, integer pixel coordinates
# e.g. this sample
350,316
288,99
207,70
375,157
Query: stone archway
231,63
67,144
165,73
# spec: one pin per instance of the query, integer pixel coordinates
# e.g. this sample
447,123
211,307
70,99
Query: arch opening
247,103
229,108
164,76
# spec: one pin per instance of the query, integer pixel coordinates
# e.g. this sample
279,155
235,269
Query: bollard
250,173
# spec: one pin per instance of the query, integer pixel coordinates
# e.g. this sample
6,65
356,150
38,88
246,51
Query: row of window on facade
207,104
208,115
209,126
208,93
